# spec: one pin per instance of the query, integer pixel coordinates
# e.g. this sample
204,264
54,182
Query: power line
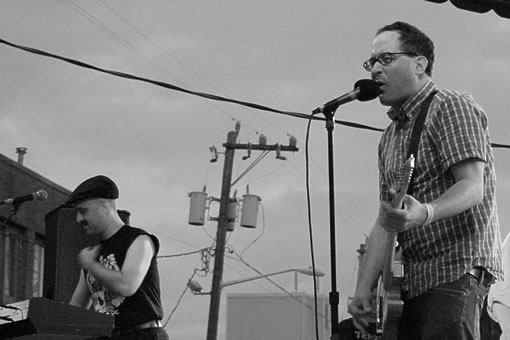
199,94
115,36
177,88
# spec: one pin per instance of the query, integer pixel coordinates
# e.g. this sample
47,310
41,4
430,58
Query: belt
133,329
482,275
148,324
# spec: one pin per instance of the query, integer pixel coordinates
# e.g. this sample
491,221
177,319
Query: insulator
292,141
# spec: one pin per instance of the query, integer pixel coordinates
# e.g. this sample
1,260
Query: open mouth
382,86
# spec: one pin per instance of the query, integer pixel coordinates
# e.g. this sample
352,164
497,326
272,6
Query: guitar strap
413,150
416,134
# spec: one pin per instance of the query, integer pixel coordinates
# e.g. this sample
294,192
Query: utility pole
221,233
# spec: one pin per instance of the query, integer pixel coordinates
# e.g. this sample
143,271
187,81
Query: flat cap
95,187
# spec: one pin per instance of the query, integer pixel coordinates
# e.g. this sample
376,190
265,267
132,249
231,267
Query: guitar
388,301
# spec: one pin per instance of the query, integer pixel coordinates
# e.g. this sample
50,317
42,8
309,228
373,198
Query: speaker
64,240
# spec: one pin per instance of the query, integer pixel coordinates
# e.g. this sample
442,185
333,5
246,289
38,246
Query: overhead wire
181,89
251,166
197,93
113,35
277,285
178,301
205,261
255,240
167,53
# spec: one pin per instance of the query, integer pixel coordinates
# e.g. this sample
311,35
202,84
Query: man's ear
103,204
421,64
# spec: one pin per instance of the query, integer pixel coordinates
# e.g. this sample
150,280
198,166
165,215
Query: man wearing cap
120,275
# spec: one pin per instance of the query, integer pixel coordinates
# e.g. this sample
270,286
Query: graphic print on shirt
103,299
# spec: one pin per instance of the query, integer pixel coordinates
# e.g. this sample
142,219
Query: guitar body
389,304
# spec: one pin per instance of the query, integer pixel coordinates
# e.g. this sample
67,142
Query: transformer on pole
229,211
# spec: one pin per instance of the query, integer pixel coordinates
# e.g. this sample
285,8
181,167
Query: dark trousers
156,333
448,312
489,329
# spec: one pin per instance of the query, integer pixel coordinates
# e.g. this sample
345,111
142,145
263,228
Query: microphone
364,90
40,195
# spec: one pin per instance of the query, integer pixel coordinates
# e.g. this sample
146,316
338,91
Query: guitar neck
388,271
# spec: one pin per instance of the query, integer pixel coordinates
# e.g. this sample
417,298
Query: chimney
21,151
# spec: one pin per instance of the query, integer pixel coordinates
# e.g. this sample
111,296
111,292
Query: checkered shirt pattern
455,130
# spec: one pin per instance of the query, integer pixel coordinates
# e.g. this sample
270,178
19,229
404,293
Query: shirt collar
411,106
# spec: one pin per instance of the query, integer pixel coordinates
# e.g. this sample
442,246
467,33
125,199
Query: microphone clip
326,110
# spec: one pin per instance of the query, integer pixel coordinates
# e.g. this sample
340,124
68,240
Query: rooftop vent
21,151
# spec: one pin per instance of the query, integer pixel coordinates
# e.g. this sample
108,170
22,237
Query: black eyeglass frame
369,64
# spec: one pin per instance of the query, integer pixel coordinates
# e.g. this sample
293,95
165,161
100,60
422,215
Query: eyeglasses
384,59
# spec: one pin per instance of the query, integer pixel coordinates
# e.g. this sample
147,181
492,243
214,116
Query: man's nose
376,69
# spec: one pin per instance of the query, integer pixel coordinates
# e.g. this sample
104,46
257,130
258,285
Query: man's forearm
374,258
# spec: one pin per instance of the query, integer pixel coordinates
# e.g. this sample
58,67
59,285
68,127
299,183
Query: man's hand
411,215
362,310
88,256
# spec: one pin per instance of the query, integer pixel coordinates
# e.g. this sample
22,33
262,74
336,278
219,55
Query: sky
154,142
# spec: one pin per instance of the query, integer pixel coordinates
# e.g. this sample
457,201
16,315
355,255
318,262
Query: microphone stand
3,226
364,89
13,211
329,114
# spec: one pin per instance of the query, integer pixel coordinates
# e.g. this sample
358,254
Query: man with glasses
448,229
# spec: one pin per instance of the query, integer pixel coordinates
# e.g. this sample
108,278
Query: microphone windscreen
368,89
41,195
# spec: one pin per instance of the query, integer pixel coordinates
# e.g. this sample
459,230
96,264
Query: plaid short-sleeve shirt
455,130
